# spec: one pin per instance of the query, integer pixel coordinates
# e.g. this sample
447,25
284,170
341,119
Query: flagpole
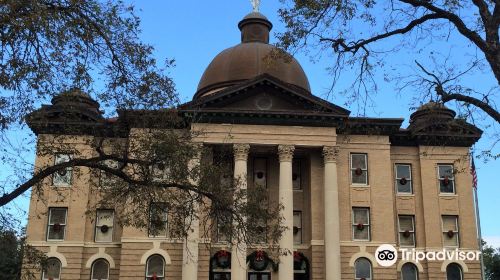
480,239
478,218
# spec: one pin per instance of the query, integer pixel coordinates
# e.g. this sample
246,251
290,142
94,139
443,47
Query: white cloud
492,241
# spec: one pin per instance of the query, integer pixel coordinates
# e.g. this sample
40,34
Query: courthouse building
347,184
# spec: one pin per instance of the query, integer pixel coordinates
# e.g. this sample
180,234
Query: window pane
158,220
56,232
296,175
453,272
409,272
359,178
155,266
361,234
360,216
105,217
405,223
358,161
100,270
407,240
450,241
449,223
447,187
53,269
62,177
445,171
403,171
363,268
222,276
406,188
57,216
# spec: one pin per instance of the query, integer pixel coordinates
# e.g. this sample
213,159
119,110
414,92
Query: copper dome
251,58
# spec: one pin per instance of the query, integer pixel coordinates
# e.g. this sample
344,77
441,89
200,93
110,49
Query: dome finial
256,5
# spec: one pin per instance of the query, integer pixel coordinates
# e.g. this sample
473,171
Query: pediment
265,94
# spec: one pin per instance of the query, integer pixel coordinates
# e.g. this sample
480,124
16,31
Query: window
403,179
359,169
406,231
62,177
53,270
409,272
223,228
108,180
260,172
450,231
454,272
104,226
155,268
361,223
296,174
100,270
446,178
259,276
56,227
362,269
158,220
297,227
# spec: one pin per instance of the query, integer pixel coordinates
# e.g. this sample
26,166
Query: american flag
473,172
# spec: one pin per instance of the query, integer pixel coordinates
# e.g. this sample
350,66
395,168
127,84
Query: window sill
405,194
448,195
359,186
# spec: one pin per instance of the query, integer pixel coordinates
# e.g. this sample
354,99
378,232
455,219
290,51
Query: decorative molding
331,153
156,251
100,255
363,254
54,254
464,267
285,152
241,151
417,264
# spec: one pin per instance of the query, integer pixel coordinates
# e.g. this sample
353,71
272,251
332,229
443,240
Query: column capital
331,153
241,151
285,152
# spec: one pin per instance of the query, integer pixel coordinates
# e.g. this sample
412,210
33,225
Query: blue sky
192,32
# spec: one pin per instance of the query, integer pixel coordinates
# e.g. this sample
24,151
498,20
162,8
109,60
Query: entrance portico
284,141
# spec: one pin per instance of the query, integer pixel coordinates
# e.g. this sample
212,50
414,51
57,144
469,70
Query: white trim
363,254
417,264
156,251
54,254
100,255
462,265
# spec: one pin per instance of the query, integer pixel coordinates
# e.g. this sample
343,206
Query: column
190,248
332,216
286,199
239,251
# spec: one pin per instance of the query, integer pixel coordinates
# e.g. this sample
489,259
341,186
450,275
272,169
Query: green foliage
10,255
491,258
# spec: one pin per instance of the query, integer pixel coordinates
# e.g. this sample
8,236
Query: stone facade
307,145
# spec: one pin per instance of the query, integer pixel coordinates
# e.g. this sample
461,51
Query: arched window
409,271
155,268
100,270
362,269
53,270
454,272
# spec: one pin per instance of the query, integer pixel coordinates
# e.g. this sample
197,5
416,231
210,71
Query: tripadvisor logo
386,255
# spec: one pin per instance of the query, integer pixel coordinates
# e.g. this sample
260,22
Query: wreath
446,181
360,226
403,181
406,233
258,260
358,171
450,233
260,175
104,228
223,259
